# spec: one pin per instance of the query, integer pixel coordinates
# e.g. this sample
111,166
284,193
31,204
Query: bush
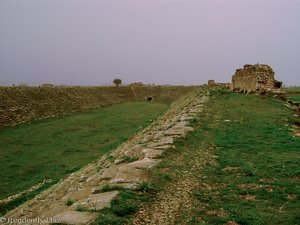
69,202
117,82
146,187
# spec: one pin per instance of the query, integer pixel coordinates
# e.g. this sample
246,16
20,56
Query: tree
117,82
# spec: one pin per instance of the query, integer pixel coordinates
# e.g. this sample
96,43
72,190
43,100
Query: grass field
241,165
293,93
295,89
256,180
295,98
53,148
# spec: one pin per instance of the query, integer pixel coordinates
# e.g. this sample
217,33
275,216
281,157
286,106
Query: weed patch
69,202
130,159
122,207
107,187
146,187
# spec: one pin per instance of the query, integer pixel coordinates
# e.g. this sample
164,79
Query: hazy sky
90,42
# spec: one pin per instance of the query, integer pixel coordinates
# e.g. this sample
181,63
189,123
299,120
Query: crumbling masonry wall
255,78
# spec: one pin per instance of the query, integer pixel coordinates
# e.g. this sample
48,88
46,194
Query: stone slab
96,201
164,141
75,217
152,153
128,174
145,163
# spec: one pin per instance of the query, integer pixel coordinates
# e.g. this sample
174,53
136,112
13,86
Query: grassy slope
293,93
257,143
255,177
53,148
295,98
295,89
25,104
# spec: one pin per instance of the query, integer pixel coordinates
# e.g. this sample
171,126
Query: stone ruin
255,78
211,83
259,78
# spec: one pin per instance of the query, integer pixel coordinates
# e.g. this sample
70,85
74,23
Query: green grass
53,148
107,187
257,142
294,89
293,93
18,201
130,159
294,98
146,187
122,207
69,202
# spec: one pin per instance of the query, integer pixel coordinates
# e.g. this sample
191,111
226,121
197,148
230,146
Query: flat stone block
76,218
152,153
96,201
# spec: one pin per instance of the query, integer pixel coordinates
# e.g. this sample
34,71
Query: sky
177,42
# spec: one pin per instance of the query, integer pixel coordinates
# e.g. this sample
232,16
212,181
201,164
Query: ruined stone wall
211,83
255,78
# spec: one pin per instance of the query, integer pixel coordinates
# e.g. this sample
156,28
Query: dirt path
173,204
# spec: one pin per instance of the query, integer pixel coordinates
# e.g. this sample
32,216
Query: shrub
117,82
145,187
130,159
69,202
